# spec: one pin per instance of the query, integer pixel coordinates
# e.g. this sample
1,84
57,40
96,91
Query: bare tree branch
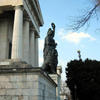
81,21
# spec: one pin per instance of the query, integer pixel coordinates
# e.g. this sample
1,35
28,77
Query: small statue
79,54
50,52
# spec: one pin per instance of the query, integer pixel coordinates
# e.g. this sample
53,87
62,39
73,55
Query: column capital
27,19
32,29
19,7
36,34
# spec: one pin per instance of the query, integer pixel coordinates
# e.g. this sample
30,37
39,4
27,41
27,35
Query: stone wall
48,92
3,39
6,28
30,84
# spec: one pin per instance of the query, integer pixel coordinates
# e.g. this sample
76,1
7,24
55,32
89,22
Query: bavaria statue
50,52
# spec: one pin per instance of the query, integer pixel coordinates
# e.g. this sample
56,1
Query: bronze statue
50,52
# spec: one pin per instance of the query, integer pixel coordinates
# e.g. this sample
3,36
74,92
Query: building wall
48,92
3,39
6,29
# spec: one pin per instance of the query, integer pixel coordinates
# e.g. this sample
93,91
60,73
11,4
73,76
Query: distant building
65,92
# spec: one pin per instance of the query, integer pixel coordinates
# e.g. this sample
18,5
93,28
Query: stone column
17,34
32,47
36,52
26,40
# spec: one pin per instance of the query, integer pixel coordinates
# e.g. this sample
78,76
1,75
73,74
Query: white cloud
76,38
41,45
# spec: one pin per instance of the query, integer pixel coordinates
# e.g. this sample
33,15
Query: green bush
83,79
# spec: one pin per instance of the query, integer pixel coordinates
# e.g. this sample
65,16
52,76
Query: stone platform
57,80
20,81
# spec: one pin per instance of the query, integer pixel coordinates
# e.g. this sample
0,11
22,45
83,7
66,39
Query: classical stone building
20,22
20,76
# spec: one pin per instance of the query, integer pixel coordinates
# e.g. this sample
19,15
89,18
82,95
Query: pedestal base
20,81
57,80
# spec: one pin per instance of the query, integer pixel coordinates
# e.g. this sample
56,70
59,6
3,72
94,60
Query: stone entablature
33,9
31,6
11,2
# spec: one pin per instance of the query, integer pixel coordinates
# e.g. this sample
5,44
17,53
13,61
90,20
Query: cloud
41,45
74,37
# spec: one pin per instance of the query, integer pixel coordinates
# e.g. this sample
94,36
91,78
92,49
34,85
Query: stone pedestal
19,81
57,79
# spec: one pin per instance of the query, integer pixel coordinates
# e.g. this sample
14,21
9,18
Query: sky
87,39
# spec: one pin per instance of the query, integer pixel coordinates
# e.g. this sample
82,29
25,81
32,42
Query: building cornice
38,9
35,7
31,14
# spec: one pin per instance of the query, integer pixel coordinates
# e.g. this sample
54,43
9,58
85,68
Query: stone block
19,78
2,92
5,98
22,85
31,77
14,97
10,92
25,98
5,85
33,97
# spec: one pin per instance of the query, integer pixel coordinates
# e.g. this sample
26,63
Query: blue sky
87,40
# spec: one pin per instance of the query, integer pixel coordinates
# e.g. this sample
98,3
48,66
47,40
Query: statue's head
53,25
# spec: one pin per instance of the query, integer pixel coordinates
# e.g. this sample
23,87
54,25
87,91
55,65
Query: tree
82,20
83,79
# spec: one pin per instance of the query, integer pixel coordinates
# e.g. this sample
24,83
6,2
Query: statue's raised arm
53,28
